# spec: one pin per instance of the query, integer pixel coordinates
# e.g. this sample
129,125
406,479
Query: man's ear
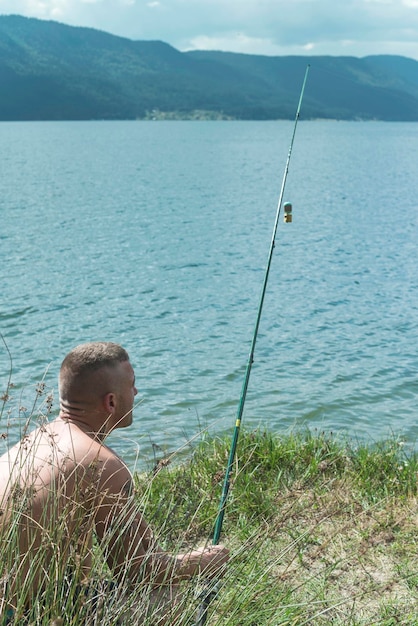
109,403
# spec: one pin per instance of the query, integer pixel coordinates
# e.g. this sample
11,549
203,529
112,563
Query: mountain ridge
52,71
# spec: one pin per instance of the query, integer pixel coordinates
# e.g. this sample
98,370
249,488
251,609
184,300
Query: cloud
277,26
352,27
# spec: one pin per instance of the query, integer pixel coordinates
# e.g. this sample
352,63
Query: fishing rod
211,591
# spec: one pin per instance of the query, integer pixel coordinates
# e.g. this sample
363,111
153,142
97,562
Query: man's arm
129,544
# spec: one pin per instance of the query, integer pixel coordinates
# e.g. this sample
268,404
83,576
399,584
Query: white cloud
234,42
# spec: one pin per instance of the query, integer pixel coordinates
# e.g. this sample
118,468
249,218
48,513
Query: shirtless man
64,485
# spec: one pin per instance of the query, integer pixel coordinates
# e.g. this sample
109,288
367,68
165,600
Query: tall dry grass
321,531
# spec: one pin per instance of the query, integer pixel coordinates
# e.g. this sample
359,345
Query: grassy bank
321,531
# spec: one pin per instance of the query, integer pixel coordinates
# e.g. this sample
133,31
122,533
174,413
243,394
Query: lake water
155,235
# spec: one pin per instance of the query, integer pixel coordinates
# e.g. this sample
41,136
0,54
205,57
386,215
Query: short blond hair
83,361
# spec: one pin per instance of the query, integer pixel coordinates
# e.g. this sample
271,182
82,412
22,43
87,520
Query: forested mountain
50,71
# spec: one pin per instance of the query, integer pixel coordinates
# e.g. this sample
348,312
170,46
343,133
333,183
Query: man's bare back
53,477
61,485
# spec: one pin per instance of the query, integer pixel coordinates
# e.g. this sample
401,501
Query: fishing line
211,591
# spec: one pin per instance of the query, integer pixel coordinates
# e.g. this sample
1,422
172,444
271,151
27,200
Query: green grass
322,531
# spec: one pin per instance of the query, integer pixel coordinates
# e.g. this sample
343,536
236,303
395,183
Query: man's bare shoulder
88,452
93,453
113,474
73,452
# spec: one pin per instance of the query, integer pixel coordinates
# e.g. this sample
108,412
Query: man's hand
210,561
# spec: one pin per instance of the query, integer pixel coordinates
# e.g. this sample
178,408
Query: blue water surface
156,235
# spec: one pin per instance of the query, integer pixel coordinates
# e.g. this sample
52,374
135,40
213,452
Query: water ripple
166,254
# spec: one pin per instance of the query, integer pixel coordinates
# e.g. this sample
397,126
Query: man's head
97,379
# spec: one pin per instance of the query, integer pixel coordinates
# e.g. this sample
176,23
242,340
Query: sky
268,27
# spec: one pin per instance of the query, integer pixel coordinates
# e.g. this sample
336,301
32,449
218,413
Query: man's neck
78,419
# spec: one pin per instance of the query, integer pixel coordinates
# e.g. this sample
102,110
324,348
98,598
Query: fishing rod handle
207,595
